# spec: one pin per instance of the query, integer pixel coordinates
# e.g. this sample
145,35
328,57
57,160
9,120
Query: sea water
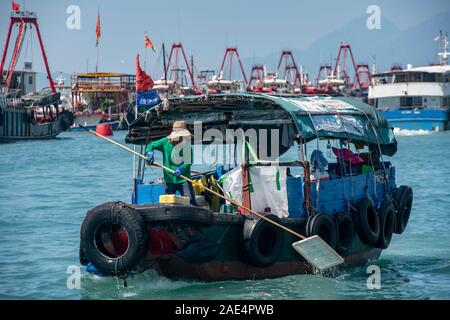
46,187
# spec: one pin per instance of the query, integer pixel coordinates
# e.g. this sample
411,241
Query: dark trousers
184,189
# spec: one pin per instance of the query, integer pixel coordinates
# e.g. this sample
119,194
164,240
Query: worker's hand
178,171
150,158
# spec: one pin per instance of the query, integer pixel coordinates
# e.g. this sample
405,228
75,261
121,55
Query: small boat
351,201
219,85
91,121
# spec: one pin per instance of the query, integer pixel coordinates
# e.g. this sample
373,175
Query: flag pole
96,64
145,55
97,35
164,63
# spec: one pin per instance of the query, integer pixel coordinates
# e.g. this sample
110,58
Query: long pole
199,185
134,155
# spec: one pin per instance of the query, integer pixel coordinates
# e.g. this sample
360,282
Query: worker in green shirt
172,150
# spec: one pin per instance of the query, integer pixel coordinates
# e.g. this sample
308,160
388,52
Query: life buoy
386,214
403,198
114,238
367,222
263,242
323,226
344,230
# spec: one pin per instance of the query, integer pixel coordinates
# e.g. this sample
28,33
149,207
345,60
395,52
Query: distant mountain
388,45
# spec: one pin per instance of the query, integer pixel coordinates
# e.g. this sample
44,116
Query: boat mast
164,62
443,55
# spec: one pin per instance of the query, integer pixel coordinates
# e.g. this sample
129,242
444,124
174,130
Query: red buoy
104,129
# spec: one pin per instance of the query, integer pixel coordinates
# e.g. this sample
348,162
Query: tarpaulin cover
340,117
313,117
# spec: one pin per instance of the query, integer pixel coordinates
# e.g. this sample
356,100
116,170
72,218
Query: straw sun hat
179,130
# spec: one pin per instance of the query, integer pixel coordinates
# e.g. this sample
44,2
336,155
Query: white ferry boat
415,98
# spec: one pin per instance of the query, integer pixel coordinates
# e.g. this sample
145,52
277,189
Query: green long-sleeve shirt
166,147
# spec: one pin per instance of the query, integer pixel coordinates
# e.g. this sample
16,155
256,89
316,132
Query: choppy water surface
46,187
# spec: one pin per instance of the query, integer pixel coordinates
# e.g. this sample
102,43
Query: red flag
15,6
148,42
143,80
97,30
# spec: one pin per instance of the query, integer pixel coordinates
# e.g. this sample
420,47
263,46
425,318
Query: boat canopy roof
101,75
312,117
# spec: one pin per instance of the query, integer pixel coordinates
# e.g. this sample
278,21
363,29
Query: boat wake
407,132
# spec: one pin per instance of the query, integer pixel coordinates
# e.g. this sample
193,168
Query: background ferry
415,98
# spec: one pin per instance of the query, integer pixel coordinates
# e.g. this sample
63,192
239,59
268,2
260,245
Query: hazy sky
205,27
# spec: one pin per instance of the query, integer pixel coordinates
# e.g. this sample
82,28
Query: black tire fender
114,214
367,222
387,218
323,226
403,198
263,242
344,232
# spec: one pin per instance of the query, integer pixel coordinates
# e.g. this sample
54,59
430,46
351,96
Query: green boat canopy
312,117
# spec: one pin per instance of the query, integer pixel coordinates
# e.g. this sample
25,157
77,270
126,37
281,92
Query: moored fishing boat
35,116
353,202
24,113
100,97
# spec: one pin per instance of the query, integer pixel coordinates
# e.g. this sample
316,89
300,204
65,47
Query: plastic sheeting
268,188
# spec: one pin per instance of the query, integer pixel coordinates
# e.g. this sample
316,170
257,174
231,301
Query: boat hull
188,242
174,267
15,124
430,120
169,255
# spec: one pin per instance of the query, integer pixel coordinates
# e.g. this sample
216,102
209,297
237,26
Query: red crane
364,75
174,66
256,80
344,51
290,70
228,56
24,20
324,71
